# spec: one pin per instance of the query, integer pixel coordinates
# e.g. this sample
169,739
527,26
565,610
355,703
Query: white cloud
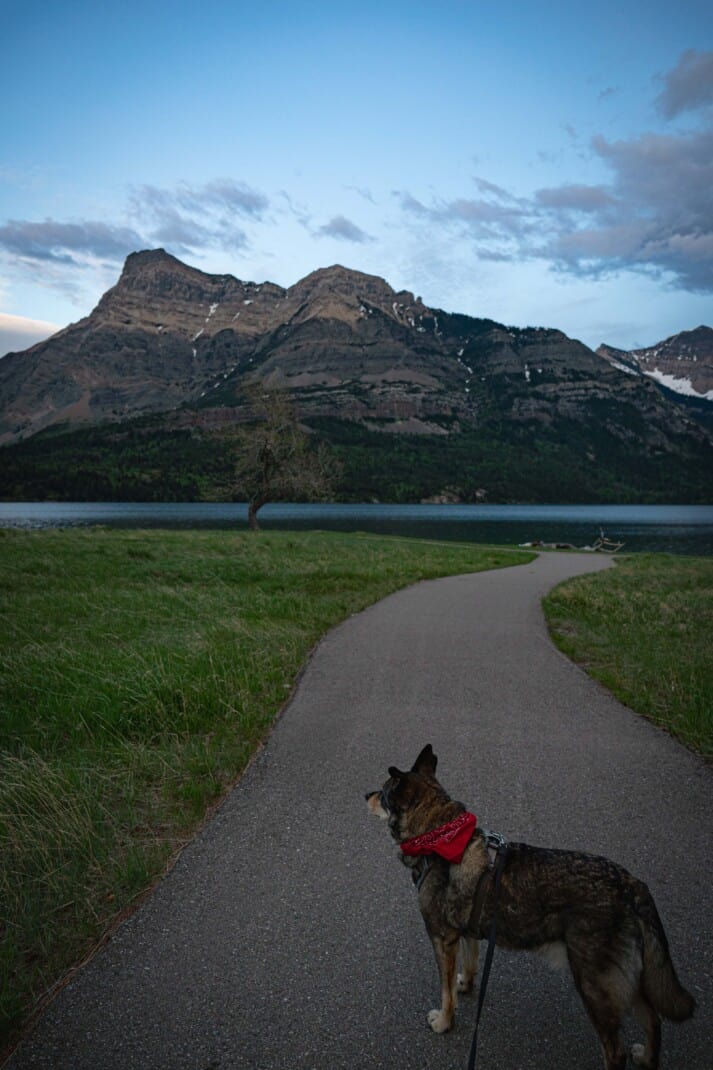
186,218
19,332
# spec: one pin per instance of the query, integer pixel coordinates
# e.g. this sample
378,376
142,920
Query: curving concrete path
288,934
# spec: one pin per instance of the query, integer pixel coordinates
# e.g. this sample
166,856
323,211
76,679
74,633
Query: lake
685,529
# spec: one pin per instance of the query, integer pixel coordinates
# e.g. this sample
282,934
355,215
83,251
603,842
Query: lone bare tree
275,459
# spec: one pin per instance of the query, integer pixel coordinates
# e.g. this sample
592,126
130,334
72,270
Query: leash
497,849
499,844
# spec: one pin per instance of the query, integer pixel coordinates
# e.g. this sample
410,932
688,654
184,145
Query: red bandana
449,841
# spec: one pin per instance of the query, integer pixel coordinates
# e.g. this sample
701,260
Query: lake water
685,529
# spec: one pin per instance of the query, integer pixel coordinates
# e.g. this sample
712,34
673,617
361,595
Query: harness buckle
496,845
496,840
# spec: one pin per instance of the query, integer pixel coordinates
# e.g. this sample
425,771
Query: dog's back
589,912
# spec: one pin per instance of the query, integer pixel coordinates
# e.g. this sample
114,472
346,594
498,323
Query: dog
576,908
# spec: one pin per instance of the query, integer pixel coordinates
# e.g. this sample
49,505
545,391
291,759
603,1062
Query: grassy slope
644,630
139,670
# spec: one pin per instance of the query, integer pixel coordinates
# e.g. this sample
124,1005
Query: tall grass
138,672
644,630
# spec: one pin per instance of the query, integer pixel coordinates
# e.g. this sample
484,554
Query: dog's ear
396,773
426,762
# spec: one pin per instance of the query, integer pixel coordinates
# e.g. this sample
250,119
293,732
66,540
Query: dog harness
449,840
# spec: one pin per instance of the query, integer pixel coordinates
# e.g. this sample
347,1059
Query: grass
138,673
644,630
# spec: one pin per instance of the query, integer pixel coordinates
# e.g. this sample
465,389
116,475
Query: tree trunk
253,507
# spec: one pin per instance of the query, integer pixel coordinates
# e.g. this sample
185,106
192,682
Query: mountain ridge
682,363
177,346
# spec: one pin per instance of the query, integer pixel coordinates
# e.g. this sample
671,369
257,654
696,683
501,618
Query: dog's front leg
445,946
470,950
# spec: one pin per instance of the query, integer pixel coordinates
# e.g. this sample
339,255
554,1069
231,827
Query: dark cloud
656,215
660,216
67,243
342,228
575,198
653,215
689,86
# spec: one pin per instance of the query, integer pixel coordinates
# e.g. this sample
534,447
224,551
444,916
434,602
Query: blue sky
547,164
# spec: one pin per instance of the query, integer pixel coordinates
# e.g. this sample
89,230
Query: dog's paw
638,1055
464,984
438,1022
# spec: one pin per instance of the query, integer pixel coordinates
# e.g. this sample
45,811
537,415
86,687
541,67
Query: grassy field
644,629
138,673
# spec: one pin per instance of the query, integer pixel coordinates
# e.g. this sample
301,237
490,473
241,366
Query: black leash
500,844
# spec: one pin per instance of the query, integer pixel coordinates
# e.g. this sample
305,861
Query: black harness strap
494,841
495,872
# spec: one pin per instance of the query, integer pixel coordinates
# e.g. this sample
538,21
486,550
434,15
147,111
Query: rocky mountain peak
155,270
341,293
146,258
682,363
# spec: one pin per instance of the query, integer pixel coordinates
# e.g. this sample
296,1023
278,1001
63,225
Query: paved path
288,934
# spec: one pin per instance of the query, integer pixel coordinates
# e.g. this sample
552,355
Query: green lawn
138,672
645,630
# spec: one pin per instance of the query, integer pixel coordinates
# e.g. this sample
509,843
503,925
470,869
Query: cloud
186,218
656,215
410,203
224,194
575,198
653,215
342,228
300,211
18,332
689,86
499,221
363,192
498,192
67,243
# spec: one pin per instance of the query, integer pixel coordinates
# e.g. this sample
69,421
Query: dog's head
406,799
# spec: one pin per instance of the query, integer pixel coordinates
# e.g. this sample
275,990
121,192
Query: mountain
682,364
417,401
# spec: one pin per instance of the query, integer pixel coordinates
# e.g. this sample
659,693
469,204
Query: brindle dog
574,907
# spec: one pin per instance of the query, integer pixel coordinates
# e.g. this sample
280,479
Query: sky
546,164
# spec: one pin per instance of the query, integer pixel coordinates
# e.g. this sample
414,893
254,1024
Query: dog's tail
659,982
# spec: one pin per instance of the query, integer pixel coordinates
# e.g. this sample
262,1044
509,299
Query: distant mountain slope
682,363
178,345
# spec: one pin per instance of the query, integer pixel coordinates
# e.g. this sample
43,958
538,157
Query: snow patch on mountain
680,386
